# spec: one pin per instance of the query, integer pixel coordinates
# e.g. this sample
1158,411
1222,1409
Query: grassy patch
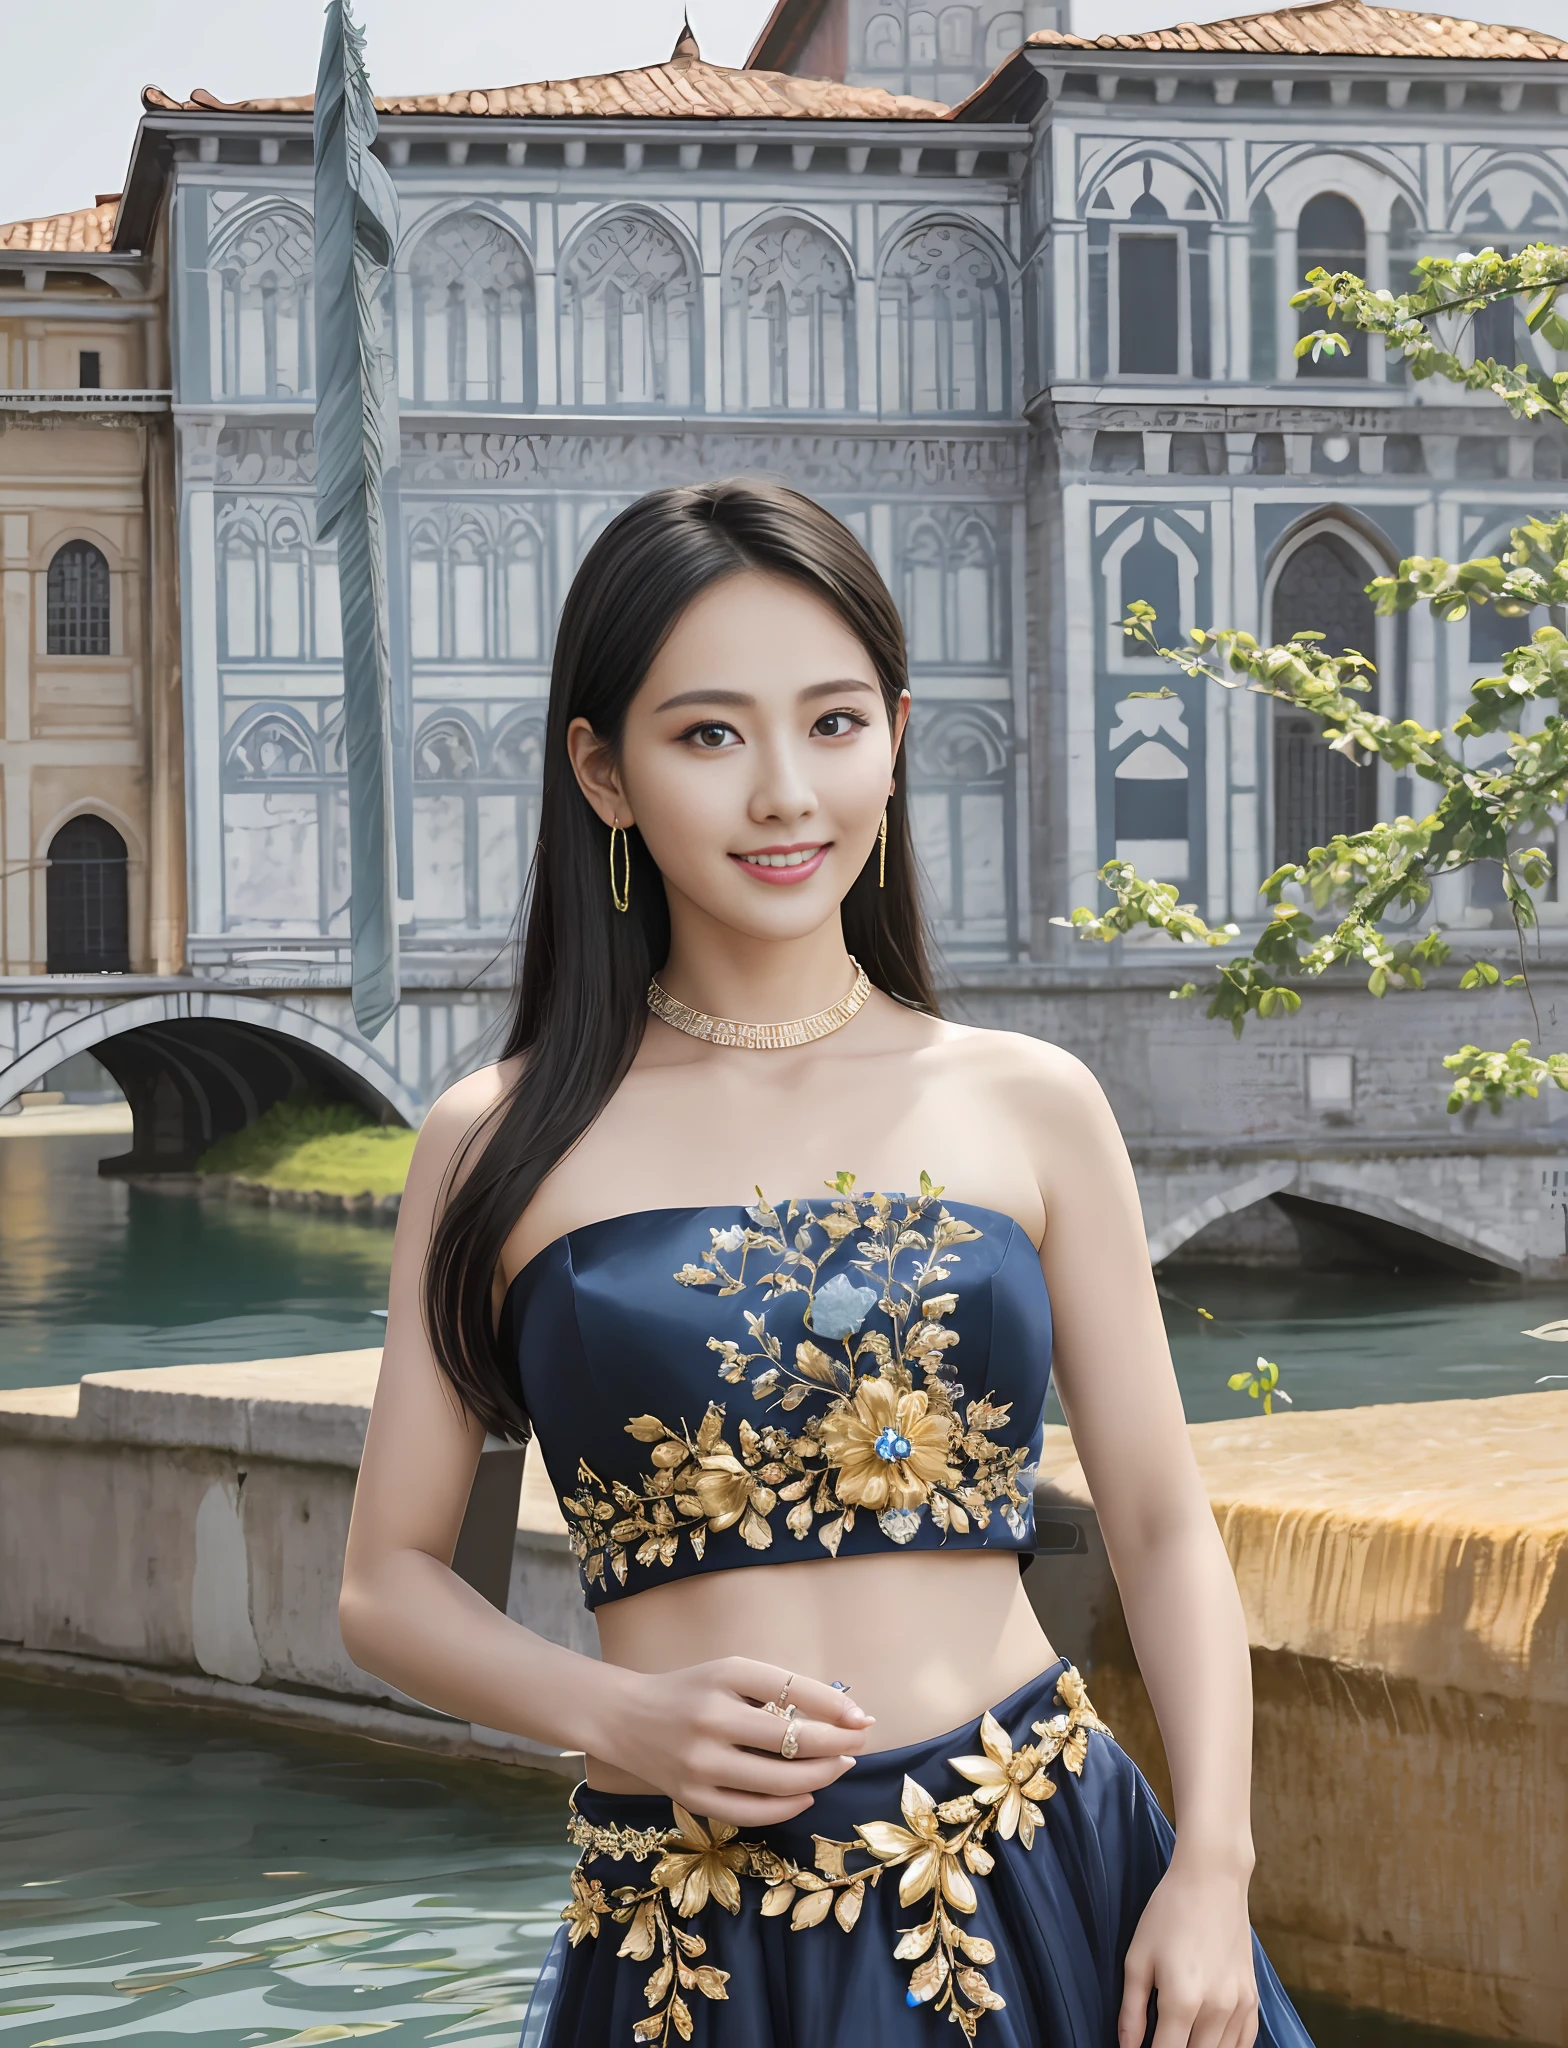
333,1147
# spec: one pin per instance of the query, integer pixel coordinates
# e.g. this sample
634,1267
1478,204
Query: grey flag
356,442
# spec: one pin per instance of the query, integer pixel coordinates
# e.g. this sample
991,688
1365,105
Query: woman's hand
702,1736
1193,1946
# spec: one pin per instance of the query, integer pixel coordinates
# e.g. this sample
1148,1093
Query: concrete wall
178,1534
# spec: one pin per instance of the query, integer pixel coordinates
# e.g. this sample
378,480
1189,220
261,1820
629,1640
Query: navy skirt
991,1877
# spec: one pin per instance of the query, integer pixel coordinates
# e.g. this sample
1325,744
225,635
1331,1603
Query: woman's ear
900,721
597,775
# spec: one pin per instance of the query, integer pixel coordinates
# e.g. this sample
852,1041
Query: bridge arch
198,1065
1401,1221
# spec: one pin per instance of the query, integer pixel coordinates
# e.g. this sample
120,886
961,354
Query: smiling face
756,758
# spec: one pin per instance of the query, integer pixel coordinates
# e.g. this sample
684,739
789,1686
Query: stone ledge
1429,1539
410,1727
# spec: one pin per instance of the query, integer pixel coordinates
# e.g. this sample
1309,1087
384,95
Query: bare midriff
925,1641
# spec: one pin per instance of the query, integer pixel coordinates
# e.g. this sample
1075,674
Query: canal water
96,1276
167,1877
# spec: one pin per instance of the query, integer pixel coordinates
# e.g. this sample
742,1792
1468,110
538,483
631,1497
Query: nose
784,793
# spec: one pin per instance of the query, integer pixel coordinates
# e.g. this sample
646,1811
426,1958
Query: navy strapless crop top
731,1386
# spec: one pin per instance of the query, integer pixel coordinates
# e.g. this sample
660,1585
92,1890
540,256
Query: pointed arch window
1330,234
952,598
789,323
476,816
77,600
266,271
631,305
472,298
87,899
943,326
963,817
1320,589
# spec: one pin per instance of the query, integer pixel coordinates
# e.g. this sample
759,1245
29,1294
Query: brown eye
710,736
834,725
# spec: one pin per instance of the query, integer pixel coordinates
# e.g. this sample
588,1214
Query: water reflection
168,1876
96,1276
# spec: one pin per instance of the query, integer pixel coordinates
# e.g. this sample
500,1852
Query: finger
1177,2013
1243,2029
1133,2021
743,1809
748,1771
752,1728
759,1682
1211,2028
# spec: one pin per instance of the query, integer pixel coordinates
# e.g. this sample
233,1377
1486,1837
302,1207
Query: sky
76,78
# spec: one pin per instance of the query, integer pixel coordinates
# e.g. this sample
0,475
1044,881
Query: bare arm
406,1616
1118,1390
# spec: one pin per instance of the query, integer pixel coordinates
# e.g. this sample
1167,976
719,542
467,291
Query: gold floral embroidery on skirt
895,1436
939,1851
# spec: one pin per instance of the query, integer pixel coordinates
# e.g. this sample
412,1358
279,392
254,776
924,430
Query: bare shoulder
1029,1073
458,1113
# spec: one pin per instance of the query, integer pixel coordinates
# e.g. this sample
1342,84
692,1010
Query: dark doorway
88,899
1316,793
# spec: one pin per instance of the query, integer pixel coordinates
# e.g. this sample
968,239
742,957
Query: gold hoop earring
621,896
882,852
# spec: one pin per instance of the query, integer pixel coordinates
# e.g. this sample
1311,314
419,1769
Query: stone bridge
1321,1138
198,1059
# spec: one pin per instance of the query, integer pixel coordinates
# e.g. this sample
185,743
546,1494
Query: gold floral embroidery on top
897,1437
938,1851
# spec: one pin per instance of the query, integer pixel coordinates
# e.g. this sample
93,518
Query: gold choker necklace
760,1037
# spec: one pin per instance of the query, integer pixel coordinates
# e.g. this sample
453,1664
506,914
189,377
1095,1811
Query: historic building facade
90,798
1034,346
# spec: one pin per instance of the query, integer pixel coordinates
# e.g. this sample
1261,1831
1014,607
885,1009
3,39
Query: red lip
781,877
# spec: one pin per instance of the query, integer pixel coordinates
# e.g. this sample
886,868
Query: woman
771,1257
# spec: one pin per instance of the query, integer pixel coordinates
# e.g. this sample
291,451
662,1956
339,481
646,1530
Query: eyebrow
741,698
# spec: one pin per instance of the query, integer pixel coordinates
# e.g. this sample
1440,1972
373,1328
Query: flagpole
356,442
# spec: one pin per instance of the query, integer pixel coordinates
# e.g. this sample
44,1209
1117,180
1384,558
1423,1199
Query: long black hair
579,1008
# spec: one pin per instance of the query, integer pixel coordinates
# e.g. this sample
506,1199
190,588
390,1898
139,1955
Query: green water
96,1276
172,1877
169,1877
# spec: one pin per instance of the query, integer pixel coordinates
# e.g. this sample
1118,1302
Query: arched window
271,746
952,609
884,43
1151,574
1331,235
278,593
943,325
631,306
1321,589
789,323
474,595
922,37
473,315
961,814
475,818
267,318
87,900
77,606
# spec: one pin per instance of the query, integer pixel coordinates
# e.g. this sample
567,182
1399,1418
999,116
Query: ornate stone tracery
630,316
789,323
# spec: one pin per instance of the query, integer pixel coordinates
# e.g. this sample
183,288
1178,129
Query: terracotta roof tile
1332,28
88,231
685,88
